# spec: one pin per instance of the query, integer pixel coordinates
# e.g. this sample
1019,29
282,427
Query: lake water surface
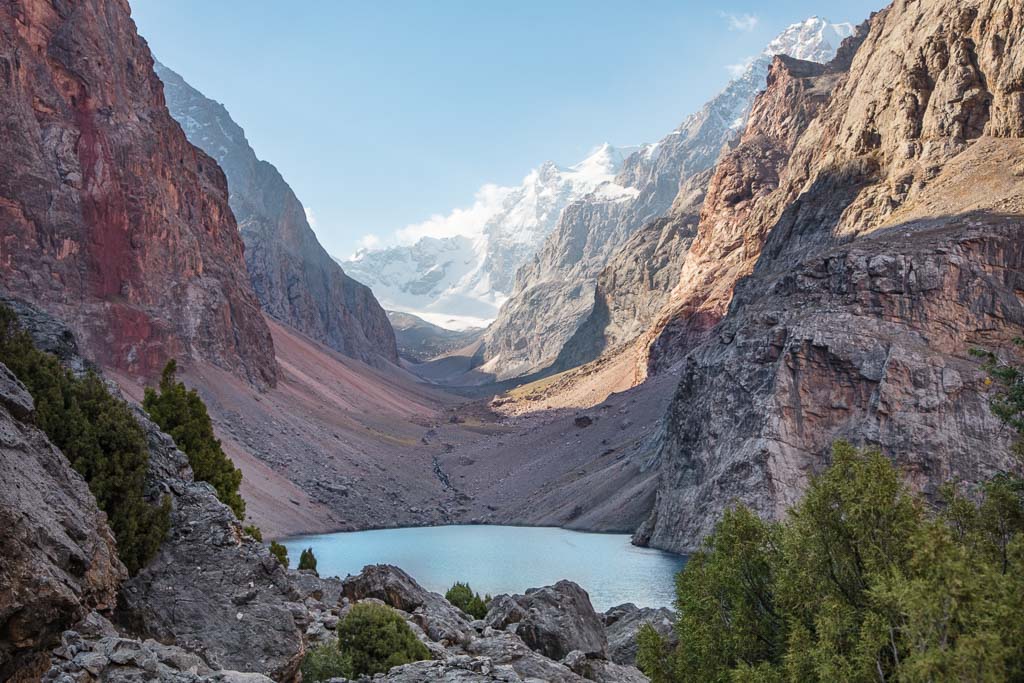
504,559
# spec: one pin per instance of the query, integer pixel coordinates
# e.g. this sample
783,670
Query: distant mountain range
461,281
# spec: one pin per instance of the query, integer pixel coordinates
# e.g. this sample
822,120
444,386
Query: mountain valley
827,258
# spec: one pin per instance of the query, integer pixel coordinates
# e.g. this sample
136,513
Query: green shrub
307,560
98,434
861,582
181,413
280,552
254,531
373,638
323,662
463,597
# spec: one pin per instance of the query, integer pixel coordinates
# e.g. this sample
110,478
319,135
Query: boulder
503,648
308,585
601,670
623,622
554,620
58,557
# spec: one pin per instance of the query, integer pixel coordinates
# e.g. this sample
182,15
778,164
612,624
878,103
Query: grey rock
14,396
115,659
327,590
58,558
294,278
623,623
212,589
554,620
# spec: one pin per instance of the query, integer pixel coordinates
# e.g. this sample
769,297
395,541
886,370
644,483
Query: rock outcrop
211,589
94,651
294,278
108,216
636,284
555,292
549,634
895,251
58,558
554,620
622,624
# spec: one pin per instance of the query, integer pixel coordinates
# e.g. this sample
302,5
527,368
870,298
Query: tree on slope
181,413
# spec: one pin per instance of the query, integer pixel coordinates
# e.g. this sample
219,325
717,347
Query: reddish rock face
108,216
889,248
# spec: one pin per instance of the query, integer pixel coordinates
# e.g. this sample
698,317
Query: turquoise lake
504,559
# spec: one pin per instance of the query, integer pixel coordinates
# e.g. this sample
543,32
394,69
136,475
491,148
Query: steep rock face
555,291
294,278
211,589
58,558
742,204
207,571
897,251
108,216
636,284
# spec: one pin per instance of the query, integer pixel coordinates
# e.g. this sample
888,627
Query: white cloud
369,242
744,23
466,222
737,70
310,217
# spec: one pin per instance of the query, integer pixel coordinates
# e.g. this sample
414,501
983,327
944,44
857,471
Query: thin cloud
744,23
738,69
468,222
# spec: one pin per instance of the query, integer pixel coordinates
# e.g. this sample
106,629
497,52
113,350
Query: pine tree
181,413
280,552
307,560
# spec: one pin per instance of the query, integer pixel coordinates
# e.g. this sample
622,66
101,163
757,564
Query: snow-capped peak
814,39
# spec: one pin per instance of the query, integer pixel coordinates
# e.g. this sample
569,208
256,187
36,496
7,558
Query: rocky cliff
889,248
742,203
58,558
215,594
294,278
108,216
555,291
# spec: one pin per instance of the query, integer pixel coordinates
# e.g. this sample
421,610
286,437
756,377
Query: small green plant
307,560
373,638
181,413
463,597
280,552
324,662
254,531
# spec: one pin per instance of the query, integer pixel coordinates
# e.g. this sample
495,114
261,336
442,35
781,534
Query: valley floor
339,445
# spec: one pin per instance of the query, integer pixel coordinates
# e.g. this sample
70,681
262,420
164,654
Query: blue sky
381,114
